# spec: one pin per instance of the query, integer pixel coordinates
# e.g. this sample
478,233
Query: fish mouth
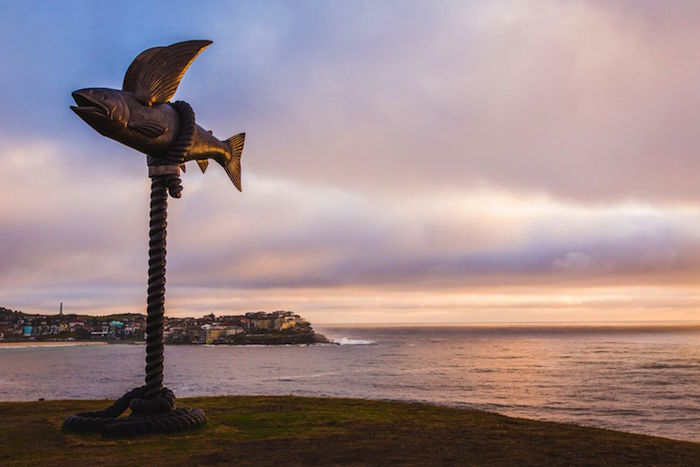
87,106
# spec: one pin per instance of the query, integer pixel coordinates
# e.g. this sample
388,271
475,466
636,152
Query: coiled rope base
156,415
152,405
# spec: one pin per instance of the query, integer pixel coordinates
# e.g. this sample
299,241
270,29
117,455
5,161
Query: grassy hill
248,430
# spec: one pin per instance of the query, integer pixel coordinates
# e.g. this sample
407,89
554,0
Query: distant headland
260,328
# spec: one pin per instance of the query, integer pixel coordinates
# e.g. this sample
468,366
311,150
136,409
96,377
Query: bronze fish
140,116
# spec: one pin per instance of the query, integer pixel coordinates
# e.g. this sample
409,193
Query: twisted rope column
152,405
156,286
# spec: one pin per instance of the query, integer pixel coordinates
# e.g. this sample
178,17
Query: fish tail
233,164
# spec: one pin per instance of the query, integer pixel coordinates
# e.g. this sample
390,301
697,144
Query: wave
348,341
302,377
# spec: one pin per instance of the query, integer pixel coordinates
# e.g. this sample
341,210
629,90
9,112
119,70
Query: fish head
119,115
105,110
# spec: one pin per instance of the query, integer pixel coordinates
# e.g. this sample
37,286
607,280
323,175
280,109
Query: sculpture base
168,422
156,415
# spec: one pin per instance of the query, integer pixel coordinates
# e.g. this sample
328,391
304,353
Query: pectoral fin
203,164
150,128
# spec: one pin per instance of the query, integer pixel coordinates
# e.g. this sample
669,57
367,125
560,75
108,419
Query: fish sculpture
141,116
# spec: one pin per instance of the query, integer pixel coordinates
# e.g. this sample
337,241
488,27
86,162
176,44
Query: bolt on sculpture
141,116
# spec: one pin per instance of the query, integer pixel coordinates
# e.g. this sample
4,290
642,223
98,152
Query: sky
405,161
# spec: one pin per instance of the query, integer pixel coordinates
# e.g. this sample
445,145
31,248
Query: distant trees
82,334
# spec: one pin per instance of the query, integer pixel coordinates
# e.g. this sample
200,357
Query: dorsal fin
158,74
133,72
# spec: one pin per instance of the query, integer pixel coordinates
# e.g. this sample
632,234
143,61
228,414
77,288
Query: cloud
581,100
574,99
462,146
574,261
87,225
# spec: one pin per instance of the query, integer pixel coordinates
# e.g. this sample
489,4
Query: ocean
642,378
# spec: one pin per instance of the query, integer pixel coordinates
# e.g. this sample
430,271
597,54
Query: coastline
271,430
271,339
254,342
29,344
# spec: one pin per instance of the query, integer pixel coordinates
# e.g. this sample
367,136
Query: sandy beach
29,344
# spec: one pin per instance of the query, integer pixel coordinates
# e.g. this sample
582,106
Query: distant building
208,329
210,333
269,322
287,325
263,324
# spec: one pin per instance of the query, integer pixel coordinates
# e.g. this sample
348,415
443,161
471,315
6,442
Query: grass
251,430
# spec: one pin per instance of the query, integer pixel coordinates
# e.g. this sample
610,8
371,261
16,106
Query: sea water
642,378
